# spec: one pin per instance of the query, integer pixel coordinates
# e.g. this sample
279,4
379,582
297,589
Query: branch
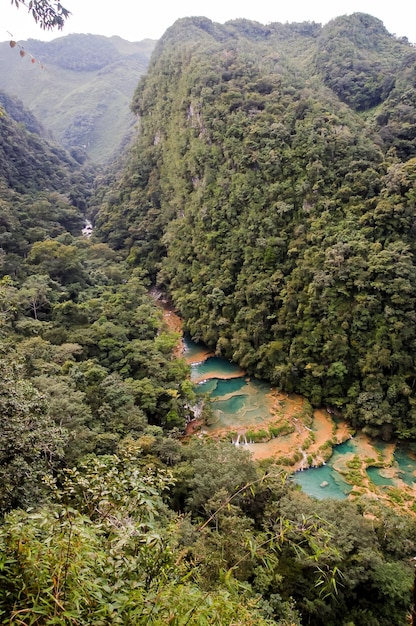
48,14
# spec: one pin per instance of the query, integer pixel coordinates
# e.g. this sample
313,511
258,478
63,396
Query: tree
62,262
36,294
47,14
106,552
215,468
8,304
31,445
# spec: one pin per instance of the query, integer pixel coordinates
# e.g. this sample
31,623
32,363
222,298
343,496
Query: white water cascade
88,228
237,441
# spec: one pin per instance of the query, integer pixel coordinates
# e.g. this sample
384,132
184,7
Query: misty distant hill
79,88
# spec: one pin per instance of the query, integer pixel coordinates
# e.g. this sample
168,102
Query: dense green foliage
20,114
28,161
359,60
125,540
280,220
82,94
107,517
80,326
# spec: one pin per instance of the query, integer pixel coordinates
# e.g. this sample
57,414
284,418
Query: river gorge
320,451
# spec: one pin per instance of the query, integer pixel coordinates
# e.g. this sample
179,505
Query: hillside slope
275,201
82,94
43,190
105,516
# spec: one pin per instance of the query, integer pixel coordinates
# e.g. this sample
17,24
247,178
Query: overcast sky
135,20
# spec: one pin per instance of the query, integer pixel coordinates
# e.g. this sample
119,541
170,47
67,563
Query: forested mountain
281,221
43,190
65,299
79,87
272,193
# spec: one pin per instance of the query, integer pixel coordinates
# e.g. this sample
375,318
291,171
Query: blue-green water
214,365
376,474
347,447
192,348
236,400
407,466
377,478
239,402
225,387
311,480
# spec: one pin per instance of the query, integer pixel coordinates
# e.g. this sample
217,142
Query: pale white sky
135,20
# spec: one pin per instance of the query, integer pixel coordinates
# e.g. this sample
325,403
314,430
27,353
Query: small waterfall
239,437
88,228
305,463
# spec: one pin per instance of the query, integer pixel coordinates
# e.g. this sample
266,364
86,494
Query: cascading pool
322,482
403,469
239,402
325,481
